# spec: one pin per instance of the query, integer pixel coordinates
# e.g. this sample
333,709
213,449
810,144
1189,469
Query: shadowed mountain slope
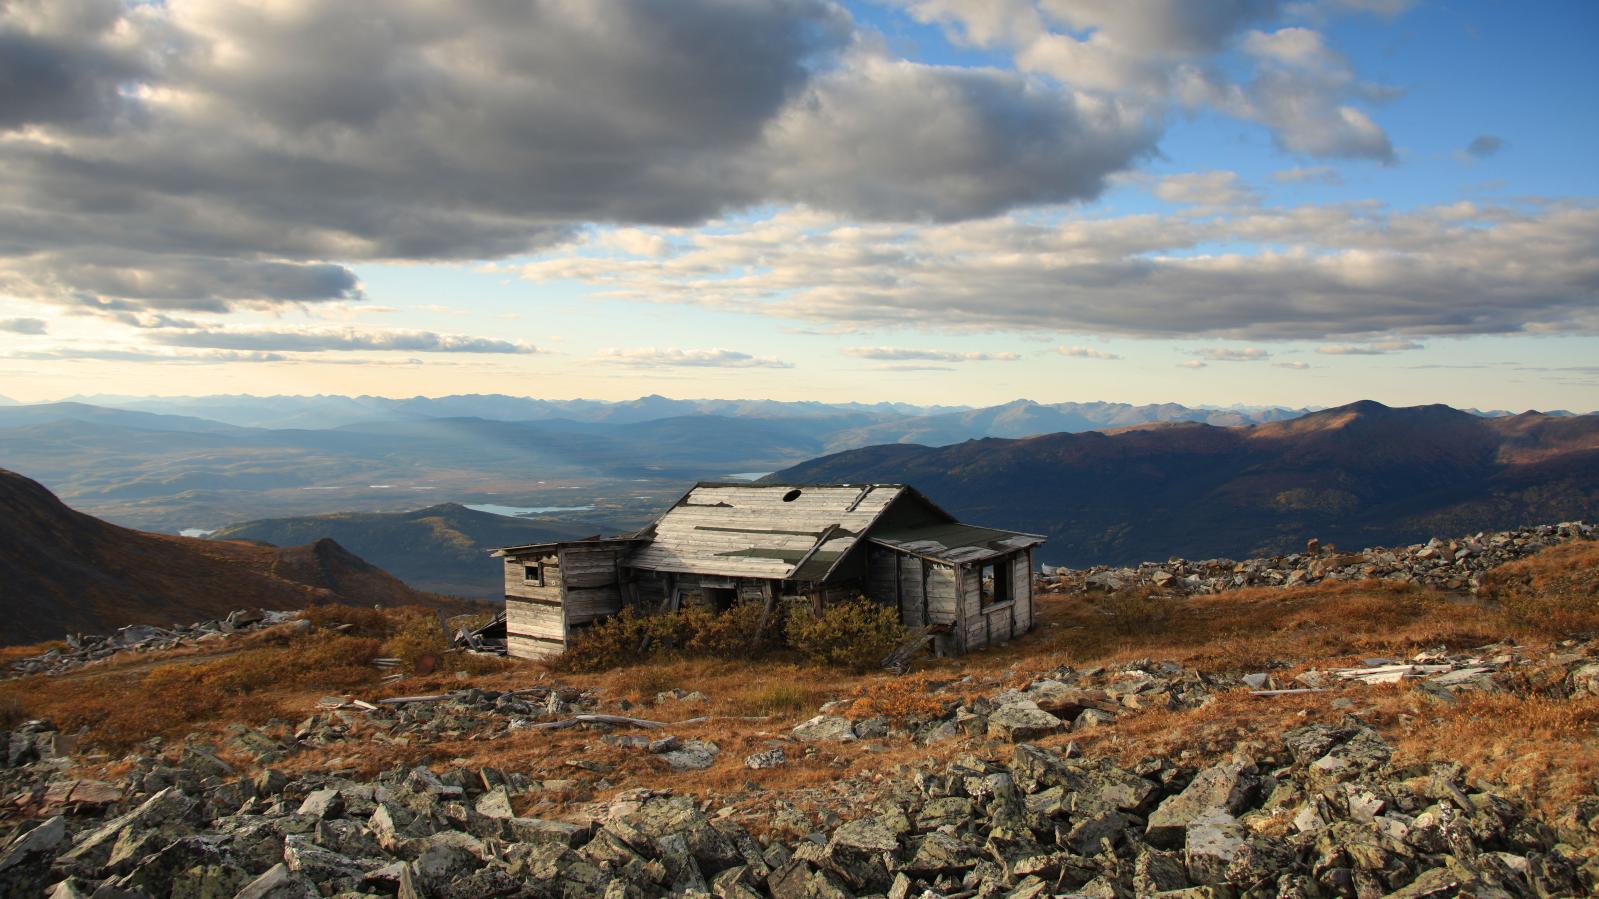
442,548
63,571
1358,475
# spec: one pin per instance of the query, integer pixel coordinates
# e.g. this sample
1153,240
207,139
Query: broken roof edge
865,531
557,544
963,553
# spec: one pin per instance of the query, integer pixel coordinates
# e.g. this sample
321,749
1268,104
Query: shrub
735,633
363,622
631,637
903,698
856,635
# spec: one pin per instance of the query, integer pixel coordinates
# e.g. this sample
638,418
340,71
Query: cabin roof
525,549
956,543
778,531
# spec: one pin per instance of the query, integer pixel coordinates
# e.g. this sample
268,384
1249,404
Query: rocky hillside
63,571
1358,475
442,548
1168,766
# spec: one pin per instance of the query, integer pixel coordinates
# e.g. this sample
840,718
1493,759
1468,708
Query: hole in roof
791,495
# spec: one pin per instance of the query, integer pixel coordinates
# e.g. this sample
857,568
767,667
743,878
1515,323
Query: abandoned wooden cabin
721,543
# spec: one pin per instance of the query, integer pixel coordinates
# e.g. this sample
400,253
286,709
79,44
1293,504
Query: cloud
1313,174
1192,363
23,325
891,139
1351,272
1083,352
1206,189
122,355
1484,145
1296,366
902,354
716,357
347,339
209,156
1227,354
1152,55
1302,91
1369,349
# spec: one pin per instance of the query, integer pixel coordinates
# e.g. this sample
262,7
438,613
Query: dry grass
1541,747
1555,592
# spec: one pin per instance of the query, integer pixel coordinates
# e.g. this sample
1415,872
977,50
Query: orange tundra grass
1542,747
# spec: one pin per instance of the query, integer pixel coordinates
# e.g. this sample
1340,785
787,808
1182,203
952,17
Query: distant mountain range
1108,482
174,464
442,549
1358,475
336,411
63,571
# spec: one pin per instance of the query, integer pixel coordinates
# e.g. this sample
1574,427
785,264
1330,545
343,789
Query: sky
928,201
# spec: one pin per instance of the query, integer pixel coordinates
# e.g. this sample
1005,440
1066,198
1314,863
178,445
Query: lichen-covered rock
825,729
1022,719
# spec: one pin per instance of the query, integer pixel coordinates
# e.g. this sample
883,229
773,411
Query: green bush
856,635
630,637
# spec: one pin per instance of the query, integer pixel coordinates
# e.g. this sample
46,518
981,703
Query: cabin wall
1005,618
591,582
535,624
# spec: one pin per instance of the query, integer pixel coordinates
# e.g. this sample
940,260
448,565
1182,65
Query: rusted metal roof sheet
783,532
957,543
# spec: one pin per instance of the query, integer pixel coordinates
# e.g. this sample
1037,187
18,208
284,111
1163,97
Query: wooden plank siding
1002,620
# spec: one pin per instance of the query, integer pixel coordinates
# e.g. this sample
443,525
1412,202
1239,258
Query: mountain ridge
1362,474
64,571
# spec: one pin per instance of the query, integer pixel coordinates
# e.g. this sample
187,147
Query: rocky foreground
1011,810
1453,565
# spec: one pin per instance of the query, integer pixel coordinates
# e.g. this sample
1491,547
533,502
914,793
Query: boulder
1229,788
825,729
1020,720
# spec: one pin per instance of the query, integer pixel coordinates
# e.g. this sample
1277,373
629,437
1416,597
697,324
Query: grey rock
1228,788
1211,842
768,758
825,729
25,863
1022,719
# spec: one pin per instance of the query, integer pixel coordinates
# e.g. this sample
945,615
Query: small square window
994,582
533,574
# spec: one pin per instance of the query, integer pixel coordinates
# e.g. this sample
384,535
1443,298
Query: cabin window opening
721,599
994,582
534,574
791,495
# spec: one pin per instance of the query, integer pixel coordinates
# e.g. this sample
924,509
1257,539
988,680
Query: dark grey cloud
23,325
902,140
1485,145
340,340
62,63
1343,272
212,153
